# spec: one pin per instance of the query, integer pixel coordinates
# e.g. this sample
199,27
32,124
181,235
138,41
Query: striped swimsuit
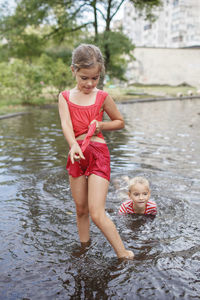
127,208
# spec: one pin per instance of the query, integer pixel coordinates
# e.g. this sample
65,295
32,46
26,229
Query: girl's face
140,195
87,79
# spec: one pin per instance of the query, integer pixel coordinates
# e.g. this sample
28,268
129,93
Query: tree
20,80
64,19
110,41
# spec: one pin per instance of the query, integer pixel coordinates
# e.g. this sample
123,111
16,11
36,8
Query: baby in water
139,198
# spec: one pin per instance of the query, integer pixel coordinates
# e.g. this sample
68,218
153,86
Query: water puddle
40,256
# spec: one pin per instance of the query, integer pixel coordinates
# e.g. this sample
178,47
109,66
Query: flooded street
40,255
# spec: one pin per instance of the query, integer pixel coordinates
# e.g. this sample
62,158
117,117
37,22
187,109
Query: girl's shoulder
102,92
101,97
65,94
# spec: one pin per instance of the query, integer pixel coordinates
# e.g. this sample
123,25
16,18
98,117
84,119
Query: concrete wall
165,66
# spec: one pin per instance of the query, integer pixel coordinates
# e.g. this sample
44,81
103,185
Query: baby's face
140,195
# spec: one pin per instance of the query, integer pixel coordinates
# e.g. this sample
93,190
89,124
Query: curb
159,99
13,115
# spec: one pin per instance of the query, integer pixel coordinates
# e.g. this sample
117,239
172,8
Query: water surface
40,256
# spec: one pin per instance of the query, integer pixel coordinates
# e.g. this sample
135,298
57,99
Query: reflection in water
40,255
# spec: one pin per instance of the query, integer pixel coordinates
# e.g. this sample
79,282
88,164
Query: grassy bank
149,91
11,109
119,93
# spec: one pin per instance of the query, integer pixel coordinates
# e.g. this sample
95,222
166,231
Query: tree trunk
95,20
101,82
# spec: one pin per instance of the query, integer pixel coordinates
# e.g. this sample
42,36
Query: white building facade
177,25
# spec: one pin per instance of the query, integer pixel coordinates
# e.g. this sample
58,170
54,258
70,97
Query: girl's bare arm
67,128
116,120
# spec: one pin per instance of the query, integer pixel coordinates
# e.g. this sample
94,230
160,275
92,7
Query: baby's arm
66,123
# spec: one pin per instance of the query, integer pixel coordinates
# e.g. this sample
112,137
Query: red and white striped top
127,208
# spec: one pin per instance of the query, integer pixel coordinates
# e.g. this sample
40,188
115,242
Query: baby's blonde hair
136,180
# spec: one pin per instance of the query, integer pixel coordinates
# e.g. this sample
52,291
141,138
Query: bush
21,81
56,73
25,83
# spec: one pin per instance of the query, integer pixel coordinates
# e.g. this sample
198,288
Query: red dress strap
101,96
66,95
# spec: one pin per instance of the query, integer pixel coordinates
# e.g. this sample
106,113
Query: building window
175,2
147,27
177,39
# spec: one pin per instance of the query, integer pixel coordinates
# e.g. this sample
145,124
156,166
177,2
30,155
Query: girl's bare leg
79,188
97,191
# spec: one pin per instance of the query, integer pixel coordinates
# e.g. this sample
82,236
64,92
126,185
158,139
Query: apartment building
177,25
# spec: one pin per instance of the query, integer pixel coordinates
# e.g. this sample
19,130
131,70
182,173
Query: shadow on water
40,255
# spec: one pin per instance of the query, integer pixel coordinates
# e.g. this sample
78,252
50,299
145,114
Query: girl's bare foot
128,255
86,244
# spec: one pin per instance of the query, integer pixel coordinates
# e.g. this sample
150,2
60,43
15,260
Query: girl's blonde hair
86,56
136,180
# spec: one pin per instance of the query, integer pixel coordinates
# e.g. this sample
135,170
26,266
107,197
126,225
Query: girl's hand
98,127
76,153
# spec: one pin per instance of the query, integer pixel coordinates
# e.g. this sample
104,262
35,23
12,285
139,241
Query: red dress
97,156
82,116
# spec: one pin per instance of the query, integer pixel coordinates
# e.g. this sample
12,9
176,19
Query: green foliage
55,73
20,80
32,83
41,35
4,56
119,47
61,52
34,25
25,46
146,8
